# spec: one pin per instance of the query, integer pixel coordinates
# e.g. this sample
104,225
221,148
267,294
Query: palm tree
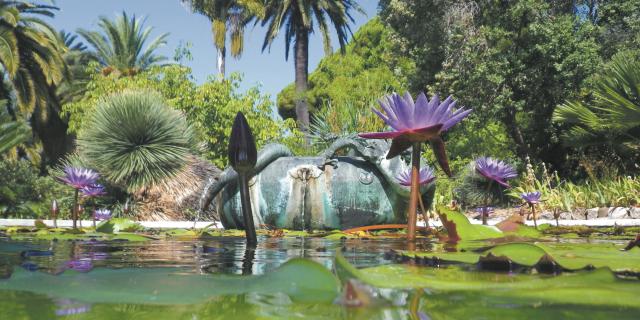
30,54
299,18
612,117
12,132
227,17
121,45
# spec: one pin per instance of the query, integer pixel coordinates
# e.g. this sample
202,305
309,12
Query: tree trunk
509,120
52,131
302,74
222,57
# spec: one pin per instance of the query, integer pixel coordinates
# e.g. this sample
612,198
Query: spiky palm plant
612,117
135,140
228,18
121,44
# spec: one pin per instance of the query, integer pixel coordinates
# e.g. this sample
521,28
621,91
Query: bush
210,107
134,140
25,194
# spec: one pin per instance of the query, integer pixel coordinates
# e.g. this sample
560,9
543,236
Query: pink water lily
426,177
93,190
531,197
420,121
495,170
79,178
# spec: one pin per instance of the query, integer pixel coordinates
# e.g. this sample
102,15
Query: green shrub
135,140
25,194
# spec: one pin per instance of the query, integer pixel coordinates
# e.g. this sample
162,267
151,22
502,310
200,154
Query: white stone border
86,223
601,222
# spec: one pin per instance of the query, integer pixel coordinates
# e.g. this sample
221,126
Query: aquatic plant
496,170
484,182
80,265
78,178
93,190
413,123
532,199
426,176
101,214
54,212
243,156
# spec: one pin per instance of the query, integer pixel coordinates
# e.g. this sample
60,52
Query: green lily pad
571,256
116,225
300,279
459,228
594,288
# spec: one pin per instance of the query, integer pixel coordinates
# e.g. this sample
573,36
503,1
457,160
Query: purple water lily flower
418,121
79,265
495,170
102,214
531,197
79,178
426,177
483,210
93,190
68,307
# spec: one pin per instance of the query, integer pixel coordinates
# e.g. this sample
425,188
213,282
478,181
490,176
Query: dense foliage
209,107
368,68
25,194
610,118
513,61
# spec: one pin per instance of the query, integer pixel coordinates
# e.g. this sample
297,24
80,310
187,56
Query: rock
546,216
565,216
618,213
579,214
634,212
603,212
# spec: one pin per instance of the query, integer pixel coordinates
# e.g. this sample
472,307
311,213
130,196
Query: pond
216,278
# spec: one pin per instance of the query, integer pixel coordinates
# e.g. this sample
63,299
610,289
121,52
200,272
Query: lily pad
570,256
583,288
116,225
300,279
459,228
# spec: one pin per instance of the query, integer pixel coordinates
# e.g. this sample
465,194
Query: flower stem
533,213
74,211
412,211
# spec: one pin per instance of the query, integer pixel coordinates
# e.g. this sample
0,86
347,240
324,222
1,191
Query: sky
269,70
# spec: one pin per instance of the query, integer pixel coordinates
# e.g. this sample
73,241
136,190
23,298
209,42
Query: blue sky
268,69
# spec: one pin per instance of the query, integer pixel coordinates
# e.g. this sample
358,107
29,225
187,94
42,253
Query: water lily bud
54,207
242,146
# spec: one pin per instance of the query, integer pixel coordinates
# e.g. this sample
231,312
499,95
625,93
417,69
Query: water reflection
212,255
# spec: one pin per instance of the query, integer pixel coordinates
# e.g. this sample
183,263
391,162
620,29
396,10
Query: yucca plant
135,140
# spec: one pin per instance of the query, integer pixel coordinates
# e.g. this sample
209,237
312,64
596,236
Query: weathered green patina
323,192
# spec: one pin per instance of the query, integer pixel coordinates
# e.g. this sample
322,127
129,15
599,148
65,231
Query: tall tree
30,53
228,18
298,19
121,44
